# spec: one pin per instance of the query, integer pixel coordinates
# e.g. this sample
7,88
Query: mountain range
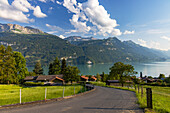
35,45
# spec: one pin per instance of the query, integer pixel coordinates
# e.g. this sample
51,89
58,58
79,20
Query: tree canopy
12,66
38,69
55,68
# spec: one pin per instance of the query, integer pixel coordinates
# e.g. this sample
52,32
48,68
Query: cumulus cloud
94,13
11,13
16,11
37,12
166,38
62,37
128,32
58,2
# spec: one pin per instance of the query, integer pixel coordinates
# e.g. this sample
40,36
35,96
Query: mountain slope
46,47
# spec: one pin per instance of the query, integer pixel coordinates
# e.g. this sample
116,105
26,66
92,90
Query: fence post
45,93
141,91
138,88
63,91
81,89
149,97
135,87
20,96
85,87
74,90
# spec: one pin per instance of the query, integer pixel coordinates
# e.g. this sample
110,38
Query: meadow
160,96
10,94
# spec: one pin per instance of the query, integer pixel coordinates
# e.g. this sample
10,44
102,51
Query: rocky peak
19,29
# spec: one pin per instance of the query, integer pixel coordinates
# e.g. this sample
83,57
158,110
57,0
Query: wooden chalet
47,79
84,78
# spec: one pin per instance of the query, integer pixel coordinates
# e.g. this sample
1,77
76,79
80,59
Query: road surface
102,100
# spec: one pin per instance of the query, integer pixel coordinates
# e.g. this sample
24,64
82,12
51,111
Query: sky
146,22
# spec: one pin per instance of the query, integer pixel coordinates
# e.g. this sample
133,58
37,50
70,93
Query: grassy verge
160,97
10,94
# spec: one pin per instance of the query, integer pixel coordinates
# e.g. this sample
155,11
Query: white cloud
166,38
150,44
54,27
79,26
91,11
128,32
22,5
142,42
37,12
16,11
62,37
46,1
58,2
11,13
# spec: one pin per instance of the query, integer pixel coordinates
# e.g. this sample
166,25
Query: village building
47,79
84,78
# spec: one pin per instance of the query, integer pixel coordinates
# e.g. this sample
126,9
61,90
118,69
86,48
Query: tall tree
38,69
54,68
21,70
71,74
98,77
7,65
63,66
104,77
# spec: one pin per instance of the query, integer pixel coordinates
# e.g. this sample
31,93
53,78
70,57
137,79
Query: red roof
84,77
93,78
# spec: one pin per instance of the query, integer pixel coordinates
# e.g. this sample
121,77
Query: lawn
160,96
10,94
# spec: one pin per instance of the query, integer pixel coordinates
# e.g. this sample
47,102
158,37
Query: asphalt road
102,100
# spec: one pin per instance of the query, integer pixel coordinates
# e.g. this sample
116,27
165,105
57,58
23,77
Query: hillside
46,47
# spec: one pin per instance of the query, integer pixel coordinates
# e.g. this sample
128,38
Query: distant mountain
77,39
37,45
19,29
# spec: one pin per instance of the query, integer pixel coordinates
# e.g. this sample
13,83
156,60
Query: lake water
149,69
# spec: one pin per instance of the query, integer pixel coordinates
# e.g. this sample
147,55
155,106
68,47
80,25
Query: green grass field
160,96
10,94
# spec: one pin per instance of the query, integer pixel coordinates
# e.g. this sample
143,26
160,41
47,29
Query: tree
7,64
161,76
71,74
98,77
63,66
38,69
21,70
121,72
54,68
104,77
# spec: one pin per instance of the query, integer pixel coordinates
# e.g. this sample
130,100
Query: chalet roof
30,78
84,77
94,78
49,77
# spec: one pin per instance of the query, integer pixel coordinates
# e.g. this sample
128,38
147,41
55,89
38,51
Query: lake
149,69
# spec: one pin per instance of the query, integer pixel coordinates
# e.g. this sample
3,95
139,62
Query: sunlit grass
10,94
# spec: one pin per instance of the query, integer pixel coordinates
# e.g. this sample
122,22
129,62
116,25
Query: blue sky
146,22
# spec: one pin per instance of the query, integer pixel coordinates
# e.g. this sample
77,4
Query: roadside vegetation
10,94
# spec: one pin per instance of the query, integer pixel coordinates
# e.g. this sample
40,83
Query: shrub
34,83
